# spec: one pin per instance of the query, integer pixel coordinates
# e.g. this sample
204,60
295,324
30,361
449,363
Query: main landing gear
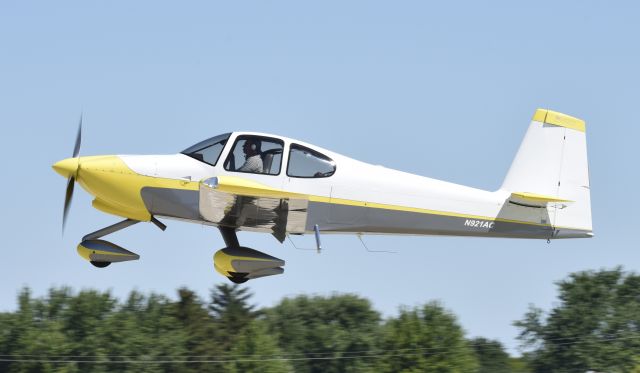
240,264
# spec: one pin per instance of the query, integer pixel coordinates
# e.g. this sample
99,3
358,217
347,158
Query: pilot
253,161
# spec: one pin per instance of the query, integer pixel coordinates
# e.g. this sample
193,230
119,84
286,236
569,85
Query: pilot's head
251,147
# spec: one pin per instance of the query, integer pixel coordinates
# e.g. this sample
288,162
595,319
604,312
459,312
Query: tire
238,279
100,264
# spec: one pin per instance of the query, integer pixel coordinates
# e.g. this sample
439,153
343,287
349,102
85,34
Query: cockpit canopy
208,151
262,155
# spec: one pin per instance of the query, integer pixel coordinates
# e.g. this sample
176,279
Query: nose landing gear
101,253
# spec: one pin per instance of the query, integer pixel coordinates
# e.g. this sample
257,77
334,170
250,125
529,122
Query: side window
304,162
256,155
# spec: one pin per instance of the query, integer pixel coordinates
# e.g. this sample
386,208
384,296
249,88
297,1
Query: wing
246,204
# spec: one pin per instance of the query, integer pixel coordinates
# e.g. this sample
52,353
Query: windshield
208,151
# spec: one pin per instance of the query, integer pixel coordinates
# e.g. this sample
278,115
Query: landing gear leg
110,229
229,236
102,253
126,223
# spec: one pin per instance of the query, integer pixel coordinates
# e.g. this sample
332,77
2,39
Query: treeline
595,326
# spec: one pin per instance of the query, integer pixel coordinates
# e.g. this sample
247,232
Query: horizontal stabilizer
533,199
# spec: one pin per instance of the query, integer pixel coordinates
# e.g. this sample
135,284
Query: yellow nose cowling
66,167
114,185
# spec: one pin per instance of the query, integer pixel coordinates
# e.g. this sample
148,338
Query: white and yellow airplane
267,183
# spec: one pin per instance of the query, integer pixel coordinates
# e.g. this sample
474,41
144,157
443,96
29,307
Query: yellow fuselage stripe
241,186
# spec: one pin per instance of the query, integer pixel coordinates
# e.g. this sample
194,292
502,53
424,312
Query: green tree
338,328
491,356
256,351
231,312
425,339
14,327
37,330
594,327
6,328
202,340
143,328
519,365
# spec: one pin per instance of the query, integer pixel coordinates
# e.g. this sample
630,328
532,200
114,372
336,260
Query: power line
370,354
469,343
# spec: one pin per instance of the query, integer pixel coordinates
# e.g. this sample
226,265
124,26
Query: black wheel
100,264
239,278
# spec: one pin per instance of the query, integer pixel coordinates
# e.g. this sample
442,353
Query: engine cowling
240,264
100,253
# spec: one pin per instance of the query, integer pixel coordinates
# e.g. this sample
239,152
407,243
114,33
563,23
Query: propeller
71,181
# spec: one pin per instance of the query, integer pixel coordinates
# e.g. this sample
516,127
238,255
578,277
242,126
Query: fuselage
356,198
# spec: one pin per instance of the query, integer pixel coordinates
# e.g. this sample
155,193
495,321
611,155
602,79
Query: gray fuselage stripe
345,218
340,218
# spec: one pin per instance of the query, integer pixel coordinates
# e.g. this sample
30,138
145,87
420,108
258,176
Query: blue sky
442,89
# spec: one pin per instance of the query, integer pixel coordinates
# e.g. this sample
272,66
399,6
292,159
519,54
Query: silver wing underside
276,215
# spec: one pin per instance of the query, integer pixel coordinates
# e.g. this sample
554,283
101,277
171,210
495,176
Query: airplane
250,181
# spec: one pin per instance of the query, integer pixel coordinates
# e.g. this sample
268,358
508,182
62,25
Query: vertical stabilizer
552,161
